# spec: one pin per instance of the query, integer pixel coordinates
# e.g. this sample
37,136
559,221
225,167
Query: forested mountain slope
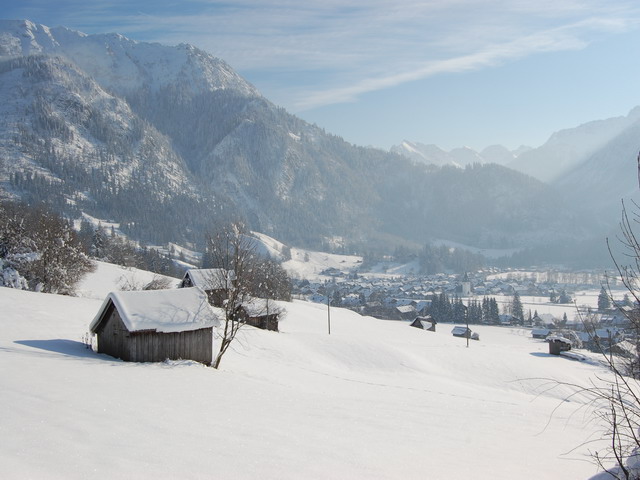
170,141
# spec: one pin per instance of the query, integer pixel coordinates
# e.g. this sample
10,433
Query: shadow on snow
69,348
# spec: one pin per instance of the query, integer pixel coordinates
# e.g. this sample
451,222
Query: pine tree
517,309
564,297
99,243
604,302
458,311
486,311
494,312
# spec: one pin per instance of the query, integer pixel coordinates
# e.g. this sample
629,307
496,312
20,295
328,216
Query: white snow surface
167,311
109,277
374,399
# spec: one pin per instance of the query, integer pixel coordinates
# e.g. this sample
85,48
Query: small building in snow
216,282
155,325
540,333
405,312
558,344
260,313
425,323
464,332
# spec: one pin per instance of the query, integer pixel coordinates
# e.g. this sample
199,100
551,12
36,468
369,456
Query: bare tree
616,398
233,255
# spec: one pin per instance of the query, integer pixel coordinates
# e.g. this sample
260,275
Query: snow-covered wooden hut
464,332
260,313
216,282
405,312
425,323
155,325
461,332
540,333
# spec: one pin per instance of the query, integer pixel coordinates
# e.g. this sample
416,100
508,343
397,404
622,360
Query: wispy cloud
558,39
334,51
330,51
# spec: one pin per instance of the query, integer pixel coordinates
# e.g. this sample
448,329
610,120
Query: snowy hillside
109,277
375,399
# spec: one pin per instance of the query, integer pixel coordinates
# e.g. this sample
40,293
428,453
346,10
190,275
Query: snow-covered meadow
375,399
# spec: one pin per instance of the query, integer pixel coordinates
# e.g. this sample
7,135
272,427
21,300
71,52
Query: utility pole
466,316
329,312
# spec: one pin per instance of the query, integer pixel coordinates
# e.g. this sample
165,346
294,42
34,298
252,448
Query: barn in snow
215,281
155,325
260,313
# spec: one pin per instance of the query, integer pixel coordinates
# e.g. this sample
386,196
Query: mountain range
171,141
566,151
458,157
592,165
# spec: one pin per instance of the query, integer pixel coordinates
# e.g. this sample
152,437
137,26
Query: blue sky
376,72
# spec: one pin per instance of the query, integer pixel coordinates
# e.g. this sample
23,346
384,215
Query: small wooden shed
260,313
405,312
464,332
558,344
155,325
216,282
425,323
540,333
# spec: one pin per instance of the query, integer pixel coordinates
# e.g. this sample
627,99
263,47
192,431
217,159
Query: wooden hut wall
113,336
150,346
265,322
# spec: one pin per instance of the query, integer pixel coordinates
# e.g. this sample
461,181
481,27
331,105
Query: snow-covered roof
458,330
210,278
628,348
175,310
540,331
256,307
406,309
558,338
606,332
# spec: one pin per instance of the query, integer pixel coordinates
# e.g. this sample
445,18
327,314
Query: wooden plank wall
156,347
150,346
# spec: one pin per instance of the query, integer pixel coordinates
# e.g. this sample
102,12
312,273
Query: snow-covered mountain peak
23,37
458,157
128,65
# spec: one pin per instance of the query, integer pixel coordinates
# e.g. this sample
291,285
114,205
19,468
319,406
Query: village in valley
583,308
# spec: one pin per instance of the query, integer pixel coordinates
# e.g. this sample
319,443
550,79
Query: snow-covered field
374,400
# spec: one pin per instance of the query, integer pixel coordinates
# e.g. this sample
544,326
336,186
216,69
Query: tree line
42,251
445,309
